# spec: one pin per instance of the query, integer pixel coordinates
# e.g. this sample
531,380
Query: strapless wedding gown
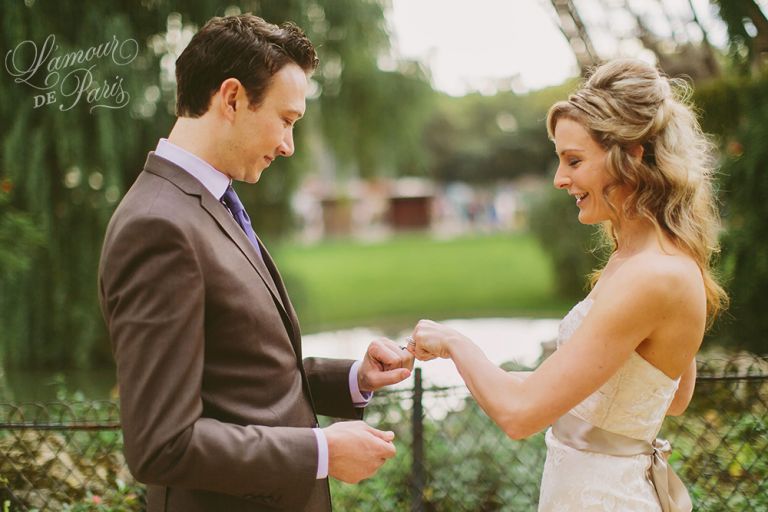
632,403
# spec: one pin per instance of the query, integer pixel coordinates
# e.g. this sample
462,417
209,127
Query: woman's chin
587,219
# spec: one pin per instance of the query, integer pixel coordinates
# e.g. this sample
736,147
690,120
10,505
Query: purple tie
232,202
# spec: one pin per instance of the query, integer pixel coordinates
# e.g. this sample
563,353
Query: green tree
69,164
747,31
371,118
735,110
484,139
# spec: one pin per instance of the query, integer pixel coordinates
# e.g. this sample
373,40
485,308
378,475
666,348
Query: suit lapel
226,222
290,313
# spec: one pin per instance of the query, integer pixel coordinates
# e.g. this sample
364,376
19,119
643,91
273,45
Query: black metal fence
64,456
451,457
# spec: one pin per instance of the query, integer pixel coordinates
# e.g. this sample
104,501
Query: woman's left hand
432,340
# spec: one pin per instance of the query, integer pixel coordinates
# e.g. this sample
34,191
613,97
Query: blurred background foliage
62,173
736,110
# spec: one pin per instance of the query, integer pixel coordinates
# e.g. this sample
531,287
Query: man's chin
254,178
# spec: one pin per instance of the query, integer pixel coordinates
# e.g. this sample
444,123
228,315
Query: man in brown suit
218,408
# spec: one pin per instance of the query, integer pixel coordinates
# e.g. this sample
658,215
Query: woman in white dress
633,157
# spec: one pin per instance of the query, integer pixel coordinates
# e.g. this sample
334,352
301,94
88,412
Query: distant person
218,408
633,157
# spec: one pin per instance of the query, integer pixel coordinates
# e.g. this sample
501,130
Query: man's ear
228,93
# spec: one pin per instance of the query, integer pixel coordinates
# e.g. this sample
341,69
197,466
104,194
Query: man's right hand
356,450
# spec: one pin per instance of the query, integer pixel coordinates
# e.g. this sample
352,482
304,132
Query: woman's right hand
433,340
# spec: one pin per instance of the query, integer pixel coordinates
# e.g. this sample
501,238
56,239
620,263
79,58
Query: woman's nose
561,180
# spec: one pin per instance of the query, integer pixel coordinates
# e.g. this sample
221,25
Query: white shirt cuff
359,399
322,453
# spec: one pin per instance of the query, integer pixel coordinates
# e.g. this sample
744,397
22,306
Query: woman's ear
636,151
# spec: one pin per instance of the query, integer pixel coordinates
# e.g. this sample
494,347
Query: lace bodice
634,401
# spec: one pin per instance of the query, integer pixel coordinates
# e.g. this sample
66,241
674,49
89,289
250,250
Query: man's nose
286,147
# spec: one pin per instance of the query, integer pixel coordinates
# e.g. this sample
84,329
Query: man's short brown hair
244,47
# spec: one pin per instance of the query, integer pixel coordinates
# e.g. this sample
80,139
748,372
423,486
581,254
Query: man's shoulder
155,193
143,197
153,204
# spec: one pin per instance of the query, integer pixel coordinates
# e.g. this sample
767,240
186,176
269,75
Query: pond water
502,339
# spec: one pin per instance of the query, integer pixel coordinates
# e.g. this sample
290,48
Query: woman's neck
640,235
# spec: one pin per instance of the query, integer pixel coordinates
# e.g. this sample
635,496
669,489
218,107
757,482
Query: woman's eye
573,163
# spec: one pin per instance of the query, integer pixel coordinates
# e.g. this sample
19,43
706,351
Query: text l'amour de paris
69,77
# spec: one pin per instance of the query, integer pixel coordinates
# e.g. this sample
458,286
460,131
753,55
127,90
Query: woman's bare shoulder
663,280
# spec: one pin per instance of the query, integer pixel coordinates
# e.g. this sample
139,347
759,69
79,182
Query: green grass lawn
392,284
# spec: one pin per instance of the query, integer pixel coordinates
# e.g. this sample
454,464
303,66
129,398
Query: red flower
96,499
6,186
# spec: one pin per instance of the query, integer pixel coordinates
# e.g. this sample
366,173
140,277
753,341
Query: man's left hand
384,364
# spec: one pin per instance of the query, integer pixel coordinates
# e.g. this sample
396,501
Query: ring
410,341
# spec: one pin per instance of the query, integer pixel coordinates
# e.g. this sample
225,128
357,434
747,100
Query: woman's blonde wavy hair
625,103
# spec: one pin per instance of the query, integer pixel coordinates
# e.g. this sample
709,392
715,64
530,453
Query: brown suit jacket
216,403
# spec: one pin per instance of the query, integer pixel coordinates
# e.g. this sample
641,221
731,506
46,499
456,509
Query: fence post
417,465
